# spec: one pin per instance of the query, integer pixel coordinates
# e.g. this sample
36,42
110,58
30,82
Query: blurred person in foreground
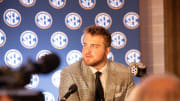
116,79
159,87
5,98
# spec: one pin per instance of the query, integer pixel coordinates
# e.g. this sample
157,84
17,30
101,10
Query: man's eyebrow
96,44
92,43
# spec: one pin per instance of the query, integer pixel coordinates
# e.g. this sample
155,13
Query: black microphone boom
73,88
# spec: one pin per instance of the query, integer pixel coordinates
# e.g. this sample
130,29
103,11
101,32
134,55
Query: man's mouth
88,56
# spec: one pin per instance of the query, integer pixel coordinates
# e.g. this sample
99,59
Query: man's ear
108,49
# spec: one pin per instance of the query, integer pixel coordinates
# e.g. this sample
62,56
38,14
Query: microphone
73,88
18,79
44,65
137,69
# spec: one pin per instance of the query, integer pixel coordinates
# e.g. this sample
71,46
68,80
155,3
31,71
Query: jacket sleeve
66,81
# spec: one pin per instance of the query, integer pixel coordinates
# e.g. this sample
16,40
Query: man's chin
88,63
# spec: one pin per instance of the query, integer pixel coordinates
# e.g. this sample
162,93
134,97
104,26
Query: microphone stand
72,89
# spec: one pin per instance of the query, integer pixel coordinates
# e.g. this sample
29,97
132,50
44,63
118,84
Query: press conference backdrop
30,29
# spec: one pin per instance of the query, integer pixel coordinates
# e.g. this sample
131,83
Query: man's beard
96,63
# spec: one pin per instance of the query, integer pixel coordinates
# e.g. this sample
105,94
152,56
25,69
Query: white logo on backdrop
56,78
27,3
73,21
132,55
110,56
82,39
59,40
104,20
119,40
57,4
48,96
42,53
87,4
13,58
29,39
131,20
34,82
73,56
43,20
115,4
12,17
2,38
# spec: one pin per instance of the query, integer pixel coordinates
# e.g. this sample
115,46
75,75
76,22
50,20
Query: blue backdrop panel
33,28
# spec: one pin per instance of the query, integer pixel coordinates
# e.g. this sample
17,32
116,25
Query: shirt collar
102,70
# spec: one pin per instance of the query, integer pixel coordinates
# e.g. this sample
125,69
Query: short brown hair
98,30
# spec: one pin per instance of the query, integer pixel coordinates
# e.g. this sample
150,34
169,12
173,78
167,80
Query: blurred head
157,88
96,45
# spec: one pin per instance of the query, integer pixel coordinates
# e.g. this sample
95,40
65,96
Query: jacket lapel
110,84
88,77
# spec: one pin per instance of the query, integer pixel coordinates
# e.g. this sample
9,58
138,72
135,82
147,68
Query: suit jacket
118,85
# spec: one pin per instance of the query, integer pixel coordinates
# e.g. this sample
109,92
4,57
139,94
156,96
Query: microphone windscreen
48,63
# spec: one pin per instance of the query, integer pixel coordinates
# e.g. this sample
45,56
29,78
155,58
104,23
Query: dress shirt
103,76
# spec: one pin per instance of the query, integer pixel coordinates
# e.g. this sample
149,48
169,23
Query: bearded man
114,81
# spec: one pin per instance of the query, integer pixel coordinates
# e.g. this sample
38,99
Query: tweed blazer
118,85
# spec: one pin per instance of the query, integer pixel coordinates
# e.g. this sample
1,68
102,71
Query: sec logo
87,4
56,78
59,40
13,58
119,40
131,20
73,56
82,39
110,56
115,4
73,21
12,17
29,39
48,96
34,82
104,20
27,3
43,20
132,55
57,4
2,38
42,53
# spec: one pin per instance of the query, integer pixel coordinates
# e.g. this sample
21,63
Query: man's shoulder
73,67
120,71
118,66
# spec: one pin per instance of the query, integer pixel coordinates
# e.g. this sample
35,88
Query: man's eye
94,46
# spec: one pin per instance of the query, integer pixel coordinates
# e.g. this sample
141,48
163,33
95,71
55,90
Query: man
115,78
158,87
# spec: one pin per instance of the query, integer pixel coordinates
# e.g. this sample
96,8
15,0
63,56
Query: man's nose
87,49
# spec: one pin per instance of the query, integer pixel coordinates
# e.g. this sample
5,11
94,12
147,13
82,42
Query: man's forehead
95,39
88,36
93,35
